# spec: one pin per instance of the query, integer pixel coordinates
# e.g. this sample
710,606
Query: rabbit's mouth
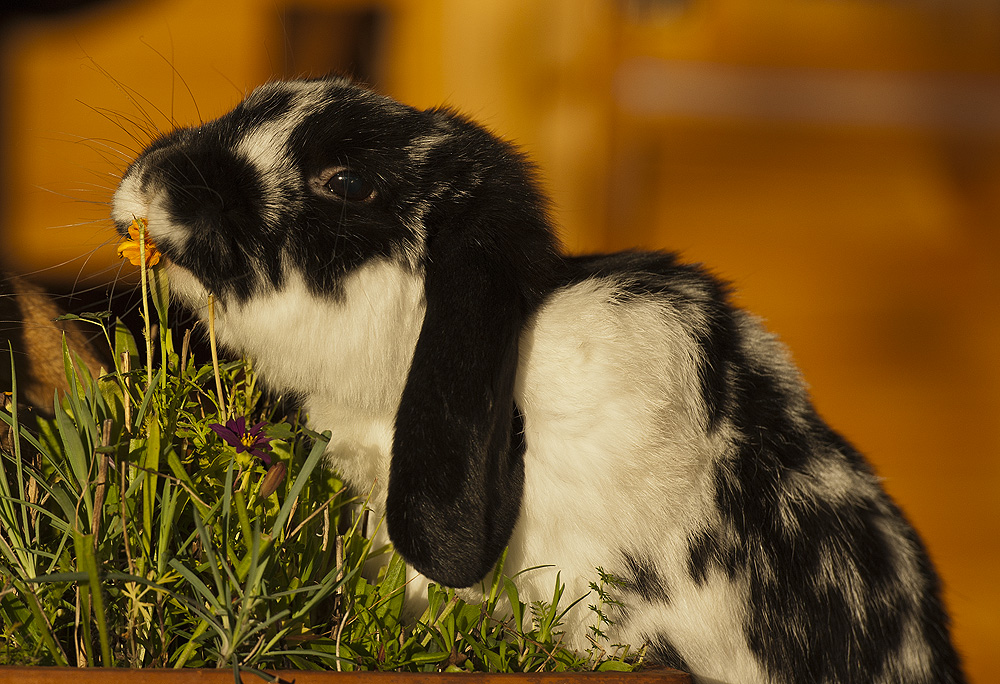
138,247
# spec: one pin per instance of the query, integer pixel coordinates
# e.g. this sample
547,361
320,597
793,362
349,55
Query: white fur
705,622
266,148
589,431
421,147
346,357
131,202
128,202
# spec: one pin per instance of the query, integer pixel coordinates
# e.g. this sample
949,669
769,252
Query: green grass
131,535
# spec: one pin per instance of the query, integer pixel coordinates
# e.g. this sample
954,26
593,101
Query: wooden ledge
101,675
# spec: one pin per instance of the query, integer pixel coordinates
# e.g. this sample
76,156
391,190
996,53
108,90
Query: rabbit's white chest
347,358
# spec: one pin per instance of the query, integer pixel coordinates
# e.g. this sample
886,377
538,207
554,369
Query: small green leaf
615,666
392,589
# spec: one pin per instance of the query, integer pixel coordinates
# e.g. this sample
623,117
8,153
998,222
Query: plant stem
215,355
145,302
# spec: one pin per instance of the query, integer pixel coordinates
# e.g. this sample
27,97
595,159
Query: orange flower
130,249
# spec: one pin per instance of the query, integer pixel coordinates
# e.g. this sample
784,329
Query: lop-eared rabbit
397,270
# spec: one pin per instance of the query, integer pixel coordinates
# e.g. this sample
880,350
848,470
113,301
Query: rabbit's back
670,440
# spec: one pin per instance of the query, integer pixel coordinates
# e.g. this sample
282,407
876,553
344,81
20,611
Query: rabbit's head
307,183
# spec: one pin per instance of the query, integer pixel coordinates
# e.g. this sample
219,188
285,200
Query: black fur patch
218,198
265,105
369,136
456,476
843,629
706,551
663,653
642,578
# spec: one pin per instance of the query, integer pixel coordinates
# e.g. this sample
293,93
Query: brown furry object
27,323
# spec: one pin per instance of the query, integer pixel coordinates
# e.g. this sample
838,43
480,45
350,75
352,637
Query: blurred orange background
839,161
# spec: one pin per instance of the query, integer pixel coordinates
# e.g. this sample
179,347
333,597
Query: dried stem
215,353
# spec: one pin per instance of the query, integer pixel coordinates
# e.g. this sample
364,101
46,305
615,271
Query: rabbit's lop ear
457,461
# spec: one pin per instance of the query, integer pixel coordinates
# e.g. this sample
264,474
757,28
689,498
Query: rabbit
397,270
31,336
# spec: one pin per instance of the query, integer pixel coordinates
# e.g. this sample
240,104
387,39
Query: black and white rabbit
396,269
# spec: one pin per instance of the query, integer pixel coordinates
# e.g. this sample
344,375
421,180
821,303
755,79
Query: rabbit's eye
350,185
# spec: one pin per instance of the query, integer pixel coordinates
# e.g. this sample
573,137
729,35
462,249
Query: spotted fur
612,410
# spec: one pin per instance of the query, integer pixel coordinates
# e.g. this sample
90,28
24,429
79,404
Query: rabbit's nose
204,188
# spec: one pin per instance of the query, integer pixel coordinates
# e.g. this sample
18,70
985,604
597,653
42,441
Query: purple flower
252,441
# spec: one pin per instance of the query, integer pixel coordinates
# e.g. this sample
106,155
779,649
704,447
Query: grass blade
318,449
87,562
